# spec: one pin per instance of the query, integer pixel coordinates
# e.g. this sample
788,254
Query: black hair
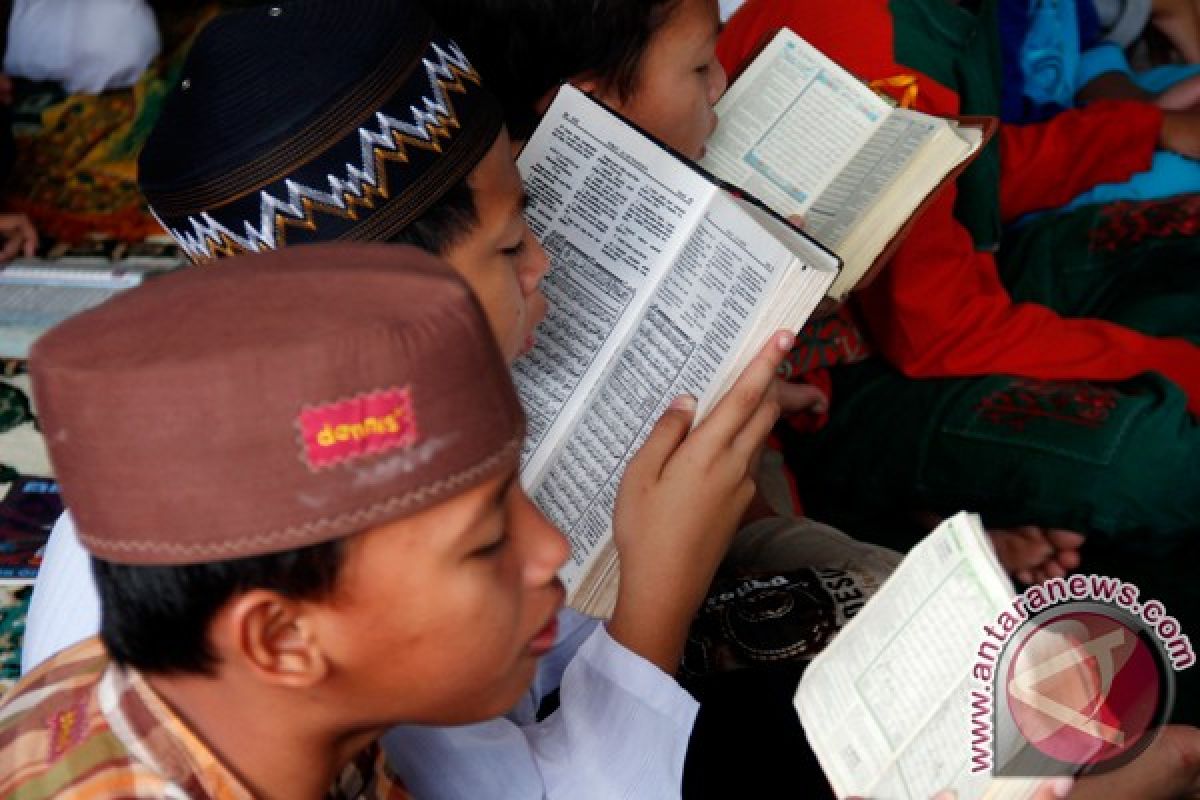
157,619
452,216
525,48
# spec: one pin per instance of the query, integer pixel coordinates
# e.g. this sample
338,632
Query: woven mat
22,451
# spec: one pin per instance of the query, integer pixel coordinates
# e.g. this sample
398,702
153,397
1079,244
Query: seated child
248,155
1051,58
656,64
86,45
1054,382
294,549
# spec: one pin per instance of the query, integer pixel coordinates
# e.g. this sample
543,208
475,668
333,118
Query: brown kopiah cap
291,398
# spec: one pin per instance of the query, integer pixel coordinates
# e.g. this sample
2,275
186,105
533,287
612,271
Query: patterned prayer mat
76,167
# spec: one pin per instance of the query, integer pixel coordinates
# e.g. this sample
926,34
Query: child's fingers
10,248
797,397
31,242
664,439
746,395
750,439
1055,788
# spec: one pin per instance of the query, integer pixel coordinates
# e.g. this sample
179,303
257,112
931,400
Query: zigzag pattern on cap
362,186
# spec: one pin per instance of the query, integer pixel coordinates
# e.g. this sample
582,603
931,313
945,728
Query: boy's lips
543,640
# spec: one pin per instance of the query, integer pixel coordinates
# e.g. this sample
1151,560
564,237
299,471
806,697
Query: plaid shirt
80,727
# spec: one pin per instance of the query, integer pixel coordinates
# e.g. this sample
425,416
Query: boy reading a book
294,549
656,64
1054,380
392,138
1004,437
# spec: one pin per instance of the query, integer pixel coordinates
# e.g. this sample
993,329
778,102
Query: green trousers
1121,460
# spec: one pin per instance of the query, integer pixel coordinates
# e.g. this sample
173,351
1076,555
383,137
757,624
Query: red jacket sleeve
1046,164
940,310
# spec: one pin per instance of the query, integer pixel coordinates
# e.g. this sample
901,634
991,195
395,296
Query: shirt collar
156,736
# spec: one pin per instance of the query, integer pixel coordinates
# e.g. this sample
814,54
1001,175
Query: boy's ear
585,83
274,638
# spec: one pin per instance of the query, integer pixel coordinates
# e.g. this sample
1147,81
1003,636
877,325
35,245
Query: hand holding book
805,136
660,514
661,283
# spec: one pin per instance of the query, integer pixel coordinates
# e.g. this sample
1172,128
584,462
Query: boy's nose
536,266
544,548
719,81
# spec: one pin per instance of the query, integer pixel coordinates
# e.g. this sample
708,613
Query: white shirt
65,608
86,45
621,730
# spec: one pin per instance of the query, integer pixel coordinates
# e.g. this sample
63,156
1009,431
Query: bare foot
1030,553
795,398
1183,96
1033,554
1180,133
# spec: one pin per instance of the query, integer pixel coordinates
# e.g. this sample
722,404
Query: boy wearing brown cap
294,549
381,131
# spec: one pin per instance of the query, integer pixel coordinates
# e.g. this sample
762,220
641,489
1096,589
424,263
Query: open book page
657,279
695,325
868,203
887,705
611,214
800,288
702,293
771,114
35,296
854,190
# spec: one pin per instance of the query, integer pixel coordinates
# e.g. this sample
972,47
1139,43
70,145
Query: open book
887,707
661,283
38,293
807,137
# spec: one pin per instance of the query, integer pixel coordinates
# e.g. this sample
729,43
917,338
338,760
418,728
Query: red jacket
939,308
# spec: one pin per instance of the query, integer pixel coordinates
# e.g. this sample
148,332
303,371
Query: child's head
305,122
299,473
652,60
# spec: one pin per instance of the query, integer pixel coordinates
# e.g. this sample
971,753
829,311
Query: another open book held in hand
661,283
807,137
887,707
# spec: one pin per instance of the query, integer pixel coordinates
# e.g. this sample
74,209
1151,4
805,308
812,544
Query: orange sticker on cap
360,426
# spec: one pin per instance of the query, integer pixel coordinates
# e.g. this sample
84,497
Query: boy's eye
703,69
493,548
515,249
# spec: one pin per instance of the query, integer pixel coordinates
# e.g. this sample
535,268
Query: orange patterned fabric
81,727
77,174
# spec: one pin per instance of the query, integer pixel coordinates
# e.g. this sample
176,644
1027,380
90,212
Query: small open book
38,293
807,137
888,705
661,283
